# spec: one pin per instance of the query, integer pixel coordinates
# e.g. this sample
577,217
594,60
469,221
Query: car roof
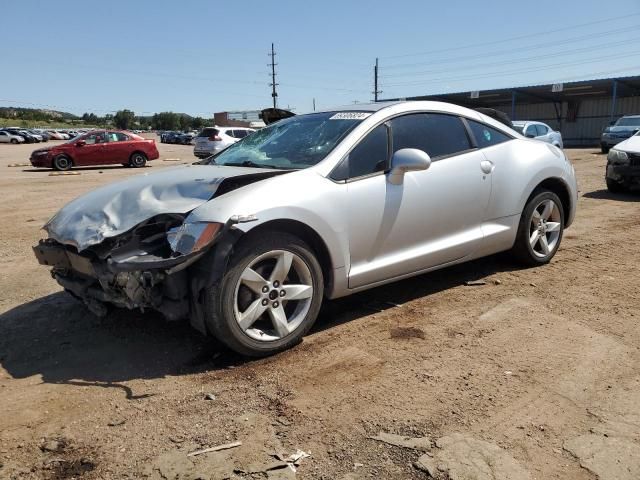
630,116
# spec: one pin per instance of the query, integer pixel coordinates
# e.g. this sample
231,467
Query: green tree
165,121
124,119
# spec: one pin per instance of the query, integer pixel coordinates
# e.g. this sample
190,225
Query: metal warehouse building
579,110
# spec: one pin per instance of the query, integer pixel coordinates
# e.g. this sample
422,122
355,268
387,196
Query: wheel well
558,187
309,236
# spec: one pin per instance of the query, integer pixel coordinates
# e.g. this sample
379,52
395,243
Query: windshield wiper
249,163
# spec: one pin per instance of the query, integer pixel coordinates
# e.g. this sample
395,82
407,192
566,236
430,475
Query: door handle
486,166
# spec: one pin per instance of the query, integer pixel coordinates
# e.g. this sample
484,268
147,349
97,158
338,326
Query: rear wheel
138,160
62,162
268,298
14,141
540,229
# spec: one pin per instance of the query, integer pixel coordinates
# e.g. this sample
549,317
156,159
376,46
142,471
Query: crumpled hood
630,145
120,206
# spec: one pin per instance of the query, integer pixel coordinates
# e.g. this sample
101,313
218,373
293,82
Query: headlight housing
618,157
192,237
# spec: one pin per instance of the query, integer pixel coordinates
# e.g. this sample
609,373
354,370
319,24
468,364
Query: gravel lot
535,374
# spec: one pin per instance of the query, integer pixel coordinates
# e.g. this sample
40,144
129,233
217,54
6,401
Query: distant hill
40,114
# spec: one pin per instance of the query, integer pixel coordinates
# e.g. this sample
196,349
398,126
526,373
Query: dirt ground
534,375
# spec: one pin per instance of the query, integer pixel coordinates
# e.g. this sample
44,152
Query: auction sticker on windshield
350,116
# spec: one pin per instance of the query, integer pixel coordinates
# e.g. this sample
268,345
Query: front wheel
615,187
540,229
604,148
62,163
138,160
268,298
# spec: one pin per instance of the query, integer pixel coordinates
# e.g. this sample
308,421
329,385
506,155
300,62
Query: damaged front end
143,268
150,265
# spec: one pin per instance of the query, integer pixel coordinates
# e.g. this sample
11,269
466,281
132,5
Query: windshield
628,122
292,143
518,128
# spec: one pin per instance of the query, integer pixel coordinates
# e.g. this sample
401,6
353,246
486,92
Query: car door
89,150
118,148
434,217
543,133
4,137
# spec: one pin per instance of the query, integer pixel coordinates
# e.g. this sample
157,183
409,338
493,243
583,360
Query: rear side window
208,132
487,136
240,133
437,134
117,137
542,130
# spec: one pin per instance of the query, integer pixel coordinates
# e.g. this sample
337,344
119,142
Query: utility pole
273,83
375,82
314,104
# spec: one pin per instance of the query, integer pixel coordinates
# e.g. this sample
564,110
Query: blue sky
201,56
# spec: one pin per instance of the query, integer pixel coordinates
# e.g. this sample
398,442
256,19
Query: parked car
539,131
185,138
8,137
212,140
623,165
619,131
45,136
98,147
247,243
56,135
28,138
39,138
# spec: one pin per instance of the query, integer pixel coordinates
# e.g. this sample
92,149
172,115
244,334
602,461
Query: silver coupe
247,244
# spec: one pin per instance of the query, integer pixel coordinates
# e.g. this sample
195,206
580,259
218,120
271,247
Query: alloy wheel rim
273,295
544,228
63,162
137,160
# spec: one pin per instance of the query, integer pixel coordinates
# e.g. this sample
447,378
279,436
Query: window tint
542,130
369,156
94,138
117,137
239,133
487,136
436,134
208,132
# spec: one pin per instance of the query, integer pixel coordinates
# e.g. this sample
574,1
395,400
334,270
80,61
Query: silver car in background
539,131
248,243
212,140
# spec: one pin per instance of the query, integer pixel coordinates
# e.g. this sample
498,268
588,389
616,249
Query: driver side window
370,156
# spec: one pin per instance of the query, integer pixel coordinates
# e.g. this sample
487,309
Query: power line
519,60
520,37
512,51
511,72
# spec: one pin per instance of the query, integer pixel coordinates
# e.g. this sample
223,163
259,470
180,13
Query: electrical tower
273,83
375,82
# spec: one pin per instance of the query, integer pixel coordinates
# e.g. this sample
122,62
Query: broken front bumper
628,175
143,281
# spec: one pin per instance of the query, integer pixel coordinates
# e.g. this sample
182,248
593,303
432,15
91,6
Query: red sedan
98,147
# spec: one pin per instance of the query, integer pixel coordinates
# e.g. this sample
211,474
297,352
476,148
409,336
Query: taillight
215,138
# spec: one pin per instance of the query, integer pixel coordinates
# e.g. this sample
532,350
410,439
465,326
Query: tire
138,160
62,163
533,250
604,148
232,297
14,141
615,187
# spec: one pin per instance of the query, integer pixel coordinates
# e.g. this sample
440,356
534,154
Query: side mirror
80,143
407,160
612,122
530,135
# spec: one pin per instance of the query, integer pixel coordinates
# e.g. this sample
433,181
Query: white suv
212,140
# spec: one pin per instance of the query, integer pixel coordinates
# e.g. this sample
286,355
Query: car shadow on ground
619,197
57,338
97,167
